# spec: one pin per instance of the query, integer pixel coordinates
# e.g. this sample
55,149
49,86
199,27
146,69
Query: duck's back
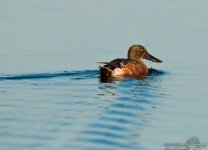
123,67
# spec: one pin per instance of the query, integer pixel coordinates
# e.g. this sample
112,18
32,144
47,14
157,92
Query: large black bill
152,58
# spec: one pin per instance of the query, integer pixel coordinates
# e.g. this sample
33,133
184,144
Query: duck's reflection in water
127,107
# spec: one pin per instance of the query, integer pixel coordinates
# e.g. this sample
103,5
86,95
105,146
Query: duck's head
139,52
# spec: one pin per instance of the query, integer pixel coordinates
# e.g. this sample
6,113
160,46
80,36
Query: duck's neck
137,61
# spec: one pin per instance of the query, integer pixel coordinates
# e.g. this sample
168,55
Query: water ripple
74,108
127,108
75,75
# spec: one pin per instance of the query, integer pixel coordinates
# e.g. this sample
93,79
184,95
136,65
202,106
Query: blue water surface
51,95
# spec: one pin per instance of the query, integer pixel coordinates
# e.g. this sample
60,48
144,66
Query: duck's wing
116,63
107,69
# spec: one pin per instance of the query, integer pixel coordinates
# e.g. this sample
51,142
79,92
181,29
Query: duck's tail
105,71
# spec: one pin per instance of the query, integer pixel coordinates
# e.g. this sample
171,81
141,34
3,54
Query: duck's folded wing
115,63
108,64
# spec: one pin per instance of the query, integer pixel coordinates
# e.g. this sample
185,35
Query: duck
132,66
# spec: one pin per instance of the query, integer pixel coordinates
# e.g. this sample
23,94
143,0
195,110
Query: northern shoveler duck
133,66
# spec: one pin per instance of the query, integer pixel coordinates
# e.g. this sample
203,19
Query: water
51,96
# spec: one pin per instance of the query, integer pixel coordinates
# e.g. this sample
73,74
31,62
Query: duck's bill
152,58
